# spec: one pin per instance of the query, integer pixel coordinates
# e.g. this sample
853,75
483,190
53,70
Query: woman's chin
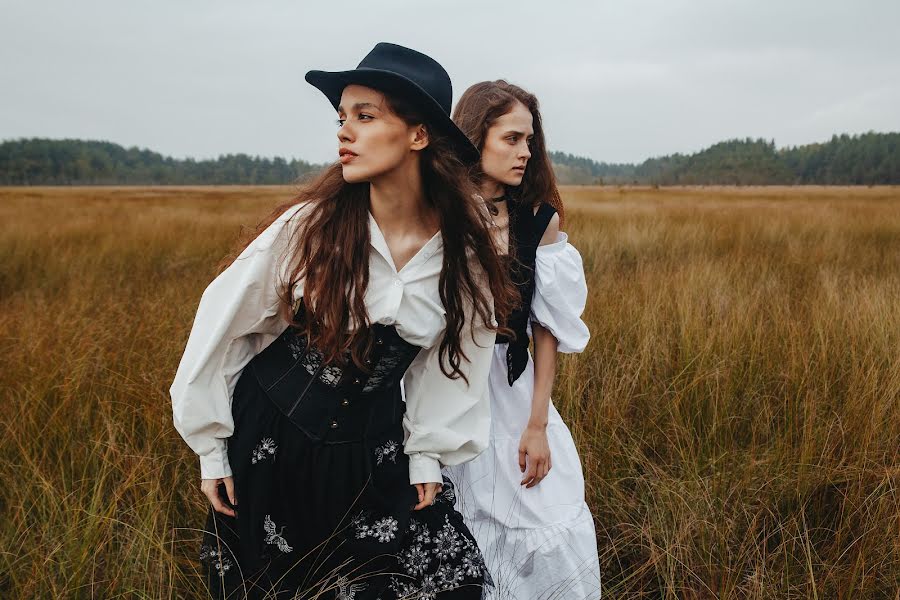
354,175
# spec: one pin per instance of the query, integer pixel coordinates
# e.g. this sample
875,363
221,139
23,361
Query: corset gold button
334,424
356,381
345,402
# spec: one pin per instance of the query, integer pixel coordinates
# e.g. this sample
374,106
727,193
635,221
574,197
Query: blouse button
334,424
397,283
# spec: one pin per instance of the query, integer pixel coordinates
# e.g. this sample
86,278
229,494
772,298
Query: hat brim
332,84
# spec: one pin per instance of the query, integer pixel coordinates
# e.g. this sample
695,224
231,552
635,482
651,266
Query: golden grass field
737,410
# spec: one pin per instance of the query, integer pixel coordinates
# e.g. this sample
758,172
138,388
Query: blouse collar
429,249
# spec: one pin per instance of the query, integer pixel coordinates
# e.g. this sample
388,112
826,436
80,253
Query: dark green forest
864,159
40,161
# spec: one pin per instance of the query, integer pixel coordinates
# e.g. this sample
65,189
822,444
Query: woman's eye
513,138
340,122
363,117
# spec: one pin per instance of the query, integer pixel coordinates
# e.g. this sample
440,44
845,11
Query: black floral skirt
331,521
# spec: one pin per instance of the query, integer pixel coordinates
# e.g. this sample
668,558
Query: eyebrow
518,133
359,106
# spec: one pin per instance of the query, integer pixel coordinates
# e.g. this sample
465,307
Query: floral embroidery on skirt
331,521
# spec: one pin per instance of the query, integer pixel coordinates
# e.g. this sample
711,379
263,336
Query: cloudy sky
619,81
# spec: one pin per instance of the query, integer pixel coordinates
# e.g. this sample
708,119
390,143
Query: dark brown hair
477,110
331,255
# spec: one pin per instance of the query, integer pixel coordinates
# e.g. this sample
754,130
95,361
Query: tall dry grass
737,411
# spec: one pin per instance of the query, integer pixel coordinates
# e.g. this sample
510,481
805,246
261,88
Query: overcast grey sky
618,81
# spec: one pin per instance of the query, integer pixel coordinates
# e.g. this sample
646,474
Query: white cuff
424,469
215,464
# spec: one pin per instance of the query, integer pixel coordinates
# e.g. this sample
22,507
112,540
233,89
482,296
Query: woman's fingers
522,454
538,470
229,489
530,474
420,490
427,492
210,488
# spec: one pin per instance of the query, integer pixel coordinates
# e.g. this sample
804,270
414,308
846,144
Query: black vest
526,228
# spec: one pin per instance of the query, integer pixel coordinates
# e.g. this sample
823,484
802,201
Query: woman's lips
346,155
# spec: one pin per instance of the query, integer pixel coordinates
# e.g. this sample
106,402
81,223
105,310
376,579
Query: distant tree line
866,159
40,161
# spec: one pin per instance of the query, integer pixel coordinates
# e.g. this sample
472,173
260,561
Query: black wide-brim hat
409,74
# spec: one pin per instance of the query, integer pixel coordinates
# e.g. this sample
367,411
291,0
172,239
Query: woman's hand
210,487
534,445
427,493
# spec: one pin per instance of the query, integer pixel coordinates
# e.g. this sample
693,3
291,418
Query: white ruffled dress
539,543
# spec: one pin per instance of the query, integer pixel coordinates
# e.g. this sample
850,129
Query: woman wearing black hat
323,483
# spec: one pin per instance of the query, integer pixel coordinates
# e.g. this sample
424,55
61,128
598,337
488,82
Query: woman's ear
420,138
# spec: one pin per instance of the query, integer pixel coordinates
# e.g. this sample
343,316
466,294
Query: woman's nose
344,133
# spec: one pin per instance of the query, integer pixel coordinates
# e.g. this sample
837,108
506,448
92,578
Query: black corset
335,403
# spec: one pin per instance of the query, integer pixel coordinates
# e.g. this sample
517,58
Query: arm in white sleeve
560,294
447,421
236,319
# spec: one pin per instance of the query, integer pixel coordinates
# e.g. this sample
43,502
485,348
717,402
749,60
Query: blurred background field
737,410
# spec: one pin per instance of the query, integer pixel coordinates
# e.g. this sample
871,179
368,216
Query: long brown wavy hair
477,110
329,252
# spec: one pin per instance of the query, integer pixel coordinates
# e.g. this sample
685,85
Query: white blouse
560,294
446,421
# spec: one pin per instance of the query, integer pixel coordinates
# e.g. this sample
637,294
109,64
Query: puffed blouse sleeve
560,294
448,421
236,319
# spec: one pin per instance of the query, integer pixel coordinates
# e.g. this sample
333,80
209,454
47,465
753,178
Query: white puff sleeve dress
539,543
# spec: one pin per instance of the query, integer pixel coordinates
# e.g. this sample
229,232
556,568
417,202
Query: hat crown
419,68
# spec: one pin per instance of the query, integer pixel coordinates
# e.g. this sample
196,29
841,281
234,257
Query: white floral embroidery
216,559
384,530
266,447
347,590
415,560
473,562
432,564
421,531
447,541
274,537
449,576
429,589
403,589
387,451
447,493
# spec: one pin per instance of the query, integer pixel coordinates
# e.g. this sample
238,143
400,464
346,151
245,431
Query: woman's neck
491,188
397,201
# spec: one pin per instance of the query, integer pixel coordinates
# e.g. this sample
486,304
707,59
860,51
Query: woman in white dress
523,498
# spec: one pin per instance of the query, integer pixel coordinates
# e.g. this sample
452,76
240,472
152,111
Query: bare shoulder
552,230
